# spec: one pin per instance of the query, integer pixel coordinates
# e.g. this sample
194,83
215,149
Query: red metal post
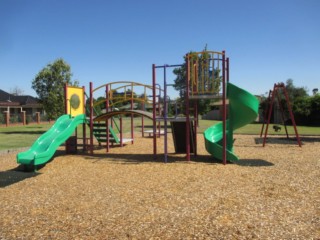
91,118
107,120
269,114
187,108
121,136
154,110
227,68
132,127
165,114
196,124
266,112
142,121
160,113
224,111
65,98
84,129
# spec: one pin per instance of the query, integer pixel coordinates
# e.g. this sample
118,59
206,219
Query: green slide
45,146
243,109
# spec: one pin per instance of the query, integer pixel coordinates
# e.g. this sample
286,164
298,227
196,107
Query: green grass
23,136
20,136
255,128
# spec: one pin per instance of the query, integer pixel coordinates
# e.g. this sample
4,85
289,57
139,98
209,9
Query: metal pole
84,129
224,111
65,108
159,112
266,112
107,119
196,125
269,114
142,119
187,108
227,69
91,119
230,127
165,113
154,110
121,137
132,126
65,98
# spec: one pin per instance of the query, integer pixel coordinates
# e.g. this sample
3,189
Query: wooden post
38,117
23,117
7,117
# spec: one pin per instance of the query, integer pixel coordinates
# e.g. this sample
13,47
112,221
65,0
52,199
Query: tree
49,85
305,108
315,110
180,81
295,92
298,97
315,91
302,110
16,91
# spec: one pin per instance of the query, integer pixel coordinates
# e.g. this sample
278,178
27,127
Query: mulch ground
272,193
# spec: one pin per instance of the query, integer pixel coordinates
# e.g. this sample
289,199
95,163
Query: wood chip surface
272,193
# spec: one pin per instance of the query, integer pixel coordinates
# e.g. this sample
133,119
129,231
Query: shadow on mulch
23,172
241,162
290,140
254,163
132,158
15,175
278,140
141,158
145,158
310,139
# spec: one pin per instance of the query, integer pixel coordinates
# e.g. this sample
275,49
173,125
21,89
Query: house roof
7,99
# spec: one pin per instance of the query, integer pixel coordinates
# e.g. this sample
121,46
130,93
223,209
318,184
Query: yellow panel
75,104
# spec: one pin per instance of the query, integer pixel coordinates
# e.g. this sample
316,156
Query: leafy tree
295,92
98,108
306,109
315,110
180,81
142,104
315,91
302,110
298,100
49,85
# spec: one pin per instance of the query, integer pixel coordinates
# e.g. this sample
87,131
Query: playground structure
207,77
102,125
274,95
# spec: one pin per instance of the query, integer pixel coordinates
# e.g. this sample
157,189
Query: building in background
16,105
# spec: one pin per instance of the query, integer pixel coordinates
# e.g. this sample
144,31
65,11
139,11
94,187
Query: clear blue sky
104,40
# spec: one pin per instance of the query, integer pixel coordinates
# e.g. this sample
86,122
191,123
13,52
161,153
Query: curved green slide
45,146
243,109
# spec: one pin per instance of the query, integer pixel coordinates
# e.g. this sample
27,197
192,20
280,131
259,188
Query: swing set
275,98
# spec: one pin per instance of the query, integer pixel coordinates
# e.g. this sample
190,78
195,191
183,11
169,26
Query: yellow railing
124,92
205,69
